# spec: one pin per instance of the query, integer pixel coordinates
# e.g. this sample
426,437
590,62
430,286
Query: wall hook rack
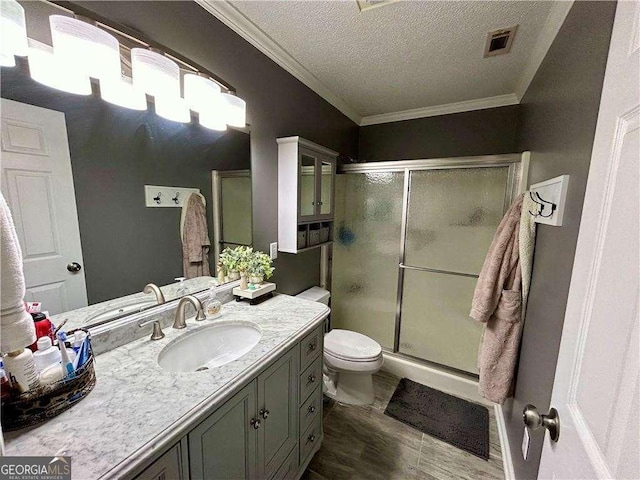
550,197
154,194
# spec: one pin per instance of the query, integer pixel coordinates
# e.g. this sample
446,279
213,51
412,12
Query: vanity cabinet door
170,466
326,171
224,445
278,407
307,185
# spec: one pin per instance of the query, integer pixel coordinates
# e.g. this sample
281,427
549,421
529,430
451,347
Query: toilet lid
350,345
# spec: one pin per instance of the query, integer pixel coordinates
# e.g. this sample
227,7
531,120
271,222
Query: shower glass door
452,215
366,250
409,242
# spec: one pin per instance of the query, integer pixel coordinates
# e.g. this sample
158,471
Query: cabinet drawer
310,347
310,439
311,409
310,378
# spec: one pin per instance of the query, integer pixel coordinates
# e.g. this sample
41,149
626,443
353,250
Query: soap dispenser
212,305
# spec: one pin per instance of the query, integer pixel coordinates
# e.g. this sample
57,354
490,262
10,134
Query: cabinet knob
311,409
312,347
311,438
255,423
264,413
312,378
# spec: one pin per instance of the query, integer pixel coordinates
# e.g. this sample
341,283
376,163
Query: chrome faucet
179,321
152,287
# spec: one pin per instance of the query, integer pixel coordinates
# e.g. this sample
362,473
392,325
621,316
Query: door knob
534,420
74,267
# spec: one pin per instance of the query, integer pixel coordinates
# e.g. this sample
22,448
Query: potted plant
260,267
235,260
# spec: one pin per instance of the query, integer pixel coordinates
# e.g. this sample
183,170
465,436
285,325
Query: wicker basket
36,406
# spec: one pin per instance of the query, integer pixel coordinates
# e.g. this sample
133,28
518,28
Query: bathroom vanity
258,416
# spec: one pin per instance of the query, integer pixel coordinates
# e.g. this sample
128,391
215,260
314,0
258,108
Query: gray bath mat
456,421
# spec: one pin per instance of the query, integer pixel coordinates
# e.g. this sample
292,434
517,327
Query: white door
596,385
38,186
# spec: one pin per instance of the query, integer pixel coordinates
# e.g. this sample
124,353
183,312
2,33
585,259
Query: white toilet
350,360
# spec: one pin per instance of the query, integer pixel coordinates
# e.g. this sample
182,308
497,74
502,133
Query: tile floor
362,443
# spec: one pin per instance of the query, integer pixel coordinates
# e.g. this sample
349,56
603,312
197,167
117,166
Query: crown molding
224,11
557,15
445,109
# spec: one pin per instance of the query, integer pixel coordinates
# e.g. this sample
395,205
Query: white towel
17,328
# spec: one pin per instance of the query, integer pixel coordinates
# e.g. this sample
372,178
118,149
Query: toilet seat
351,346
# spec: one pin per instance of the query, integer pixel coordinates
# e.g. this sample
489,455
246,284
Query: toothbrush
66,361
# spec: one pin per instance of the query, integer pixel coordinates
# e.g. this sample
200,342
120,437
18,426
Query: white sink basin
209,347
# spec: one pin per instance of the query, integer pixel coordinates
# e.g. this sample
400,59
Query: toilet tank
316,294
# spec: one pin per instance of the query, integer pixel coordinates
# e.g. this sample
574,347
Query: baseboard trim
507,460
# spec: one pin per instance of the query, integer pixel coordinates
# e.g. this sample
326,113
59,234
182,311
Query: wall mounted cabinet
306,186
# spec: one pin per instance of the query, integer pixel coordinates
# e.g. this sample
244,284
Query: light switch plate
273,250
525,443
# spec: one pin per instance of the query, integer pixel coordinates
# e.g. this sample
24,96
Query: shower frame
518,168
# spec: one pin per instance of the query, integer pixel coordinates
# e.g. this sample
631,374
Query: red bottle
44,328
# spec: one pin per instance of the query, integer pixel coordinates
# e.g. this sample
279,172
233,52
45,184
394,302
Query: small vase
243,282
233,275
256,279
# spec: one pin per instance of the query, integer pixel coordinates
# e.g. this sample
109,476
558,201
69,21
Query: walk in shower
410,239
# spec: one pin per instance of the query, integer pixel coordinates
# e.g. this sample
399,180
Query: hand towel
17,328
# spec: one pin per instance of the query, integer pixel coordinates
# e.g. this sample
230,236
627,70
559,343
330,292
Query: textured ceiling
405,55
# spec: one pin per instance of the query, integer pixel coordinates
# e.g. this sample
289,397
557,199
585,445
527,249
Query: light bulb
54,72
213,119
121,92
13,32
200,93
88,49
235,110
172,108
155,74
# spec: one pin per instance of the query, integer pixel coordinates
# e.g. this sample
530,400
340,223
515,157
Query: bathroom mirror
114,153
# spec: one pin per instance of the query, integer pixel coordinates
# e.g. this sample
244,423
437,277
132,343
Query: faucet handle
157,329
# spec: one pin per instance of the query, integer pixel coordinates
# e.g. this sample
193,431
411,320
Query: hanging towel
500,298
17,328
195,238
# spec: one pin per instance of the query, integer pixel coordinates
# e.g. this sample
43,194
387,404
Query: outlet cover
273,250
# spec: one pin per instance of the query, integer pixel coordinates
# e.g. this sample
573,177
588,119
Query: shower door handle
435,270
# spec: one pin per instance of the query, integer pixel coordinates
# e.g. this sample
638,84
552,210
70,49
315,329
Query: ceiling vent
499,41
369,4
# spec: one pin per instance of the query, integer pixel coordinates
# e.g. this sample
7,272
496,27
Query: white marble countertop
138,408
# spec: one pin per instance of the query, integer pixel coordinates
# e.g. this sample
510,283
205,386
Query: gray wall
481,132
559,113
277,105
114,153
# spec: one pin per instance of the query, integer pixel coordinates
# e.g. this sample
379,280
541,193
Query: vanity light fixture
86,50
13,33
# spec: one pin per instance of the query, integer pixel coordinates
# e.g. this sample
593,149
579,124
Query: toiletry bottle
5,384
44,328
212,305
220,273
78,338
22,370
182,290
46,354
